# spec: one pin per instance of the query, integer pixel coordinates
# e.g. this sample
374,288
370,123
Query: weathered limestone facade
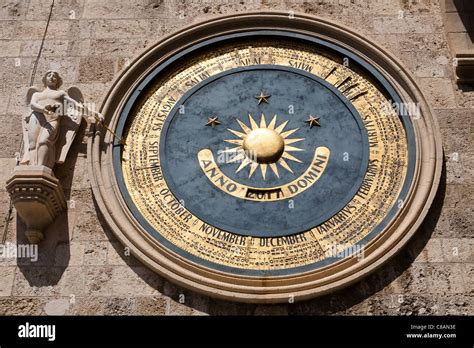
82,269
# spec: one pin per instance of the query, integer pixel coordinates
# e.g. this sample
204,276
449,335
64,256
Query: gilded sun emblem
262,145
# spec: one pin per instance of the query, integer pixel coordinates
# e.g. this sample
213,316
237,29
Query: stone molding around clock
132,235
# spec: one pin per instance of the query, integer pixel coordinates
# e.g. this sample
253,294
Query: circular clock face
260,164
265,155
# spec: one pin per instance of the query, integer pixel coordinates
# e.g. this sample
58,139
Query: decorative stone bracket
38,198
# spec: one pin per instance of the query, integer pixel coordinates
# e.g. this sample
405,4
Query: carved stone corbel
38,198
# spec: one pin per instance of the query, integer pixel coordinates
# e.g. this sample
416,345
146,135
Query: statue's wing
67,133
24,123
69,125
29,94
76,94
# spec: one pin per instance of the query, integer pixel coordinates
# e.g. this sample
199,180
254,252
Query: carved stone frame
275,289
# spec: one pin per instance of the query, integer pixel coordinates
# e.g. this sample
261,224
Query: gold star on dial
262,98
313,121
213,121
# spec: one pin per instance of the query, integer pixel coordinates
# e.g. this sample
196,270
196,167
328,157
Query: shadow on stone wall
466,12
53,251
342,302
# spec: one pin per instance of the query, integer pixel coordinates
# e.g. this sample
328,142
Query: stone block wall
83,269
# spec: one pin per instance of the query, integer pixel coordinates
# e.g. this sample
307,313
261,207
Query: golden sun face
262,145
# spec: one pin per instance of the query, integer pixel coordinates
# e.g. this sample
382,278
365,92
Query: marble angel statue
51,123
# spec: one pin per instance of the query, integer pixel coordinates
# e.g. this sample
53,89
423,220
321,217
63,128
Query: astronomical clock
265,157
